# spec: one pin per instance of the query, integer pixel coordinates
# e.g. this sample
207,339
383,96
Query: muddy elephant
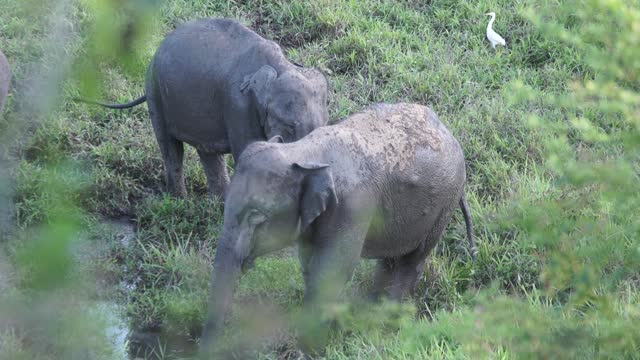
382,184
219,86
5,79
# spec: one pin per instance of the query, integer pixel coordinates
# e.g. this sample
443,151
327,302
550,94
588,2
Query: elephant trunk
227,268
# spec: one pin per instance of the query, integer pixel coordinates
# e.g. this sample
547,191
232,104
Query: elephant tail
464,206
128,105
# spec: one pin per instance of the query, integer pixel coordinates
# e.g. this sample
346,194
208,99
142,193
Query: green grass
552,197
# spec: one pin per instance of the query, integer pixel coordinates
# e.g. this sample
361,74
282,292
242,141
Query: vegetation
550,127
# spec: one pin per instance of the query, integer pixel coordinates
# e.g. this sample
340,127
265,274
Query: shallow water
130,343
156,345
117,330
116,327
125,229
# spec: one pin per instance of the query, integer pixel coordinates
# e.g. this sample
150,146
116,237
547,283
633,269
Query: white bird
493,36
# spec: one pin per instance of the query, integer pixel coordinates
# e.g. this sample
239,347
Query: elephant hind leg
173,162
215,168
408,269
382,279
397,277
406,273
172,151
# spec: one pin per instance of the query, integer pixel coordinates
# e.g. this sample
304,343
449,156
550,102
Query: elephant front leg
304,255
335,251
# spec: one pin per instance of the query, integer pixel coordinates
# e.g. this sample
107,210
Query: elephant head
290,104
271,201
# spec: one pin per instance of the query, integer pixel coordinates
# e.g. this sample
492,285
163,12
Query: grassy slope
374,51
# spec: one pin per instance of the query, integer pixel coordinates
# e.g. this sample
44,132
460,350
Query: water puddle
156,345
133,344
116,329
124,228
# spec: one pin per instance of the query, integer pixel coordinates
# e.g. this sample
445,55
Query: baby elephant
218,86
5,79
381,184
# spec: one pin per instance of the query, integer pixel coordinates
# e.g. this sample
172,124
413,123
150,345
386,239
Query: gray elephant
5,79
219,86
381,184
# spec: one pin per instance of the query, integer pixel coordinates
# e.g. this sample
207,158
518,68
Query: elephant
381,184
5,79
218,86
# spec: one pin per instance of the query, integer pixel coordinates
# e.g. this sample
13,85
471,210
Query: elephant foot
178,192
216,193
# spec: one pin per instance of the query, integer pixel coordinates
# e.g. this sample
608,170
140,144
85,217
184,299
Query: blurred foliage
119,31
46,309
45,312
588,234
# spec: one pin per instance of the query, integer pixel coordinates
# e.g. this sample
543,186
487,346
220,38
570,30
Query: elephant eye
289,128
255,217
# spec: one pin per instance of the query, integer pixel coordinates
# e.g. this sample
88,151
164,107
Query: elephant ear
318,192
322,79
258,84
318,79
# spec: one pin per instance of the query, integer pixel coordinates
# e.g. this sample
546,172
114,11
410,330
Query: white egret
493,36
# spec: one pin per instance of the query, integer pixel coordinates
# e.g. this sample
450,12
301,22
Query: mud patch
125,229
157,345
296,31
